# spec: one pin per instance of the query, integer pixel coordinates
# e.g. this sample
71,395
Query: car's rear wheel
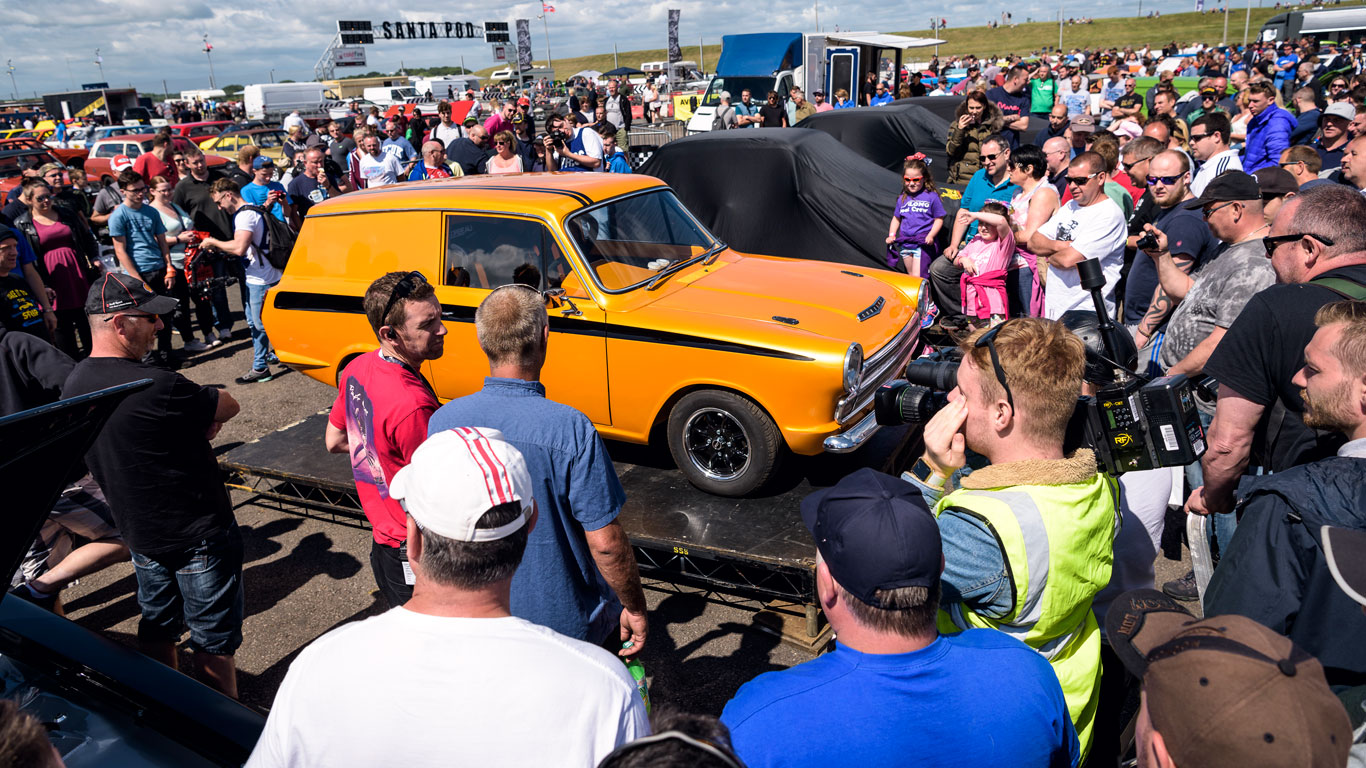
724,443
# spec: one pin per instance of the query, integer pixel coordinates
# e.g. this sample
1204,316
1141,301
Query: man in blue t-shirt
1012,98
140,246
579,575
894,687
1285,65
266,193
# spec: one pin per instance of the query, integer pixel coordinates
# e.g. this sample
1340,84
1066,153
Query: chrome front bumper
850,439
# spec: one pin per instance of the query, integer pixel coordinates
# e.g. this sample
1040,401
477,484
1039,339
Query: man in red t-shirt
381,413
158,161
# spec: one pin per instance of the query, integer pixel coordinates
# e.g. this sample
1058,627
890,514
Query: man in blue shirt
395,144
898,690
141,249
990,182
882,98
1012,98
266,193
579,575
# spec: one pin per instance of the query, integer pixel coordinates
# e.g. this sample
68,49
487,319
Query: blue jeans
260,343
199,586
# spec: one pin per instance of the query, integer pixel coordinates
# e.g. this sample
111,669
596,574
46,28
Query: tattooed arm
1174,280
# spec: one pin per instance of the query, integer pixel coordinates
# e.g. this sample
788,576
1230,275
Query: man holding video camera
1028,540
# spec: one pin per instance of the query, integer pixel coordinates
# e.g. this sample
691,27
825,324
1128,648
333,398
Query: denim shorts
199,587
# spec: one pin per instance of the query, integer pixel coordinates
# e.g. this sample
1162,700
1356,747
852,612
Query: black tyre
724,443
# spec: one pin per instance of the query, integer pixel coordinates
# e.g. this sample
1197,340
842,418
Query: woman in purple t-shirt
916,220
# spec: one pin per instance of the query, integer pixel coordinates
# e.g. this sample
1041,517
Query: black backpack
279,239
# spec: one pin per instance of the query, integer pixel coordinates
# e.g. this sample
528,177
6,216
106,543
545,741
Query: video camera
1133,423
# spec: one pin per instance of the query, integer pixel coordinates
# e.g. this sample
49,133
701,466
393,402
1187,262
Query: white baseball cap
456,476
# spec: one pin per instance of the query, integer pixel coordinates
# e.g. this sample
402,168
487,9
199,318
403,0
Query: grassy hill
1022,38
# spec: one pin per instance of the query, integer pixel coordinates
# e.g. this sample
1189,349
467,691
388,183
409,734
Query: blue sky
52,44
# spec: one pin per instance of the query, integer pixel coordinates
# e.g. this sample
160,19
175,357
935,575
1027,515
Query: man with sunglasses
248,240
1210,135
1318,250
141,249
381,412
1187,243
156,465
1089,226
990,182
1028,540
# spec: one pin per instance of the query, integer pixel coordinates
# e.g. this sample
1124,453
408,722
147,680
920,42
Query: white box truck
274,101
387,96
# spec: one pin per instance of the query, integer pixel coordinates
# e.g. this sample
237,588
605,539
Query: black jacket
86,247
31,372
1275,573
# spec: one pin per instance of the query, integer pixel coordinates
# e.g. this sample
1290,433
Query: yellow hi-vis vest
1058,547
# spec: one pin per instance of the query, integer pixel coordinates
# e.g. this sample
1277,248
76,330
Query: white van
386,96
273,101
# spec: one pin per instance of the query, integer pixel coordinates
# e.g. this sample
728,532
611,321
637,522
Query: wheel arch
659,426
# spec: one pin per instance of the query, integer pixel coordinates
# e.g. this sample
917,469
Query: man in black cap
1224,691
157,468
893,684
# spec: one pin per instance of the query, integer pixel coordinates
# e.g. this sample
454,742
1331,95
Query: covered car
887,135
789,192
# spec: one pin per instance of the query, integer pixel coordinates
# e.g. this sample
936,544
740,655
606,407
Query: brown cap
1226,692
1083,124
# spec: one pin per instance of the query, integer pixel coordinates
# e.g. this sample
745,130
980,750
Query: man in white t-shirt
294,119
1089,226
377,167
248,241
451,677
447,130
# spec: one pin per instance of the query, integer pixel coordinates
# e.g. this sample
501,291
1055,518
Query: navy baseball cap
874,532
116,292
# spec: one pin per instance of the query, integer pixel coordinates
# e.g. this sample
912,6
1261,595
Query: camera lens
936,375
901,403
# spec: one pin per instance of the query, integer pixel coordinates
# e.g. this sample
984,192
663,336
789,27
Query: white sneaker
195,345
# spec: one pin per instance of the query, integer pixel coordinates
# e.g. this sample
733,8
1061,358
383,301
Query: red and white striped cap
456,476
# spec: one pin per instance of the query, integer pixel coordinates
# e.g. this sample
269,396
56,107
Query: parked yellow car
659,332
271,142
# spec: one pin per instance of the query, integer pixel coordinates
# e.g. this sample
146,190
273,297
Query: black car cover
887,135
784,192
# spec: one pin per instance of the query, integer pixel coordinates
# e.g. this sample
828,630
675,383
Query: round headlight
922,300
853,366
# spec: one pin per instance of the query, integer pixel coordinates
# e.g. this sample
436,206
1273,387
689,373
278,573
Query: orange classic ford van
659,331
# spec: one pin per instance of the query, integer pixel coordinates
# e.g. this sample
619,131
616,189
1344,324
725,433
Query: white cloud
52,44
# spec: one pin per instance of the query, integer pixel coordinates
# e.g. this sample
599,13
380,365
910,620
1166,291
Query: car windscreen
627,241
758,89
270,139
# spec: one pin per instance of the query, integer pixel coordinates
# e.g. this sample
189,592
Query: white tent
590,74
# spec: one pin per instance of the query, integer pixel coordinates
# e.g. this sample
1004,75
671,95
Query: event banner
524,43
674,53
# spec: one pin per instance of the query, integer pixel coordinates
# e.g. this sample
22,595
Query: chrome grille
886,364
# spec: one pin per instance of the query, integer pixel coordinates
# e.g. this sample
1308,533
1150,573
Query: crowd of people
998,596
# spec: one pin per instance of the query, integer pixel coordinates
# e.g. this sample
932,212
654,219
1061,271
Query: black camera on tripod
1132,422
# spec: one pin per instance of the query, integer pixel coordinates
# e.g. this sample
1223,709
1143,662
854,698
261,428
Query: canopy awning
878,40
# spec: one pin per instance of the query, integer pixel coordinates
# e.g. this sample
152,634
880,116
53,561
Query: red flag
547,8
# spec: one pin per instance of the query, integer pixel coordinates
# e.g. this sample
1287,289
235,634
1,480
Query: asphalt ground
305,576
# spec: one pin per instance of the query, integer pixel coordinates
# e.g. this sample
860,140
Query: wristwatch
925,474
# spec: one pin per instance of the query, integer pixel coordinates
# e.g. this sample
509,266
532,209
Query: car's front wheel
724,443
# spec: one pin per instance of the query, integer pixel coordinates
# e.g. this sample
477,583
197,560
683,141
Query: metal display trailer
750,551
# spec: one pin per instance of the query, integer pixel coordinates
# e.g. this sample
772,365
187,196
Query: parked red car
99,166
200,132
18,155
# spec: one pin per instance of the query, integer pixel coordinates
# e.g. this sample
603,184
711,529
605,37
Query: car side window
489,251
131,149
107,150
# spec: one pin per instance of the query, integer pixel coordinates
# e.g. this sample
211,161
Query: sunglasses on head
402,290
988,340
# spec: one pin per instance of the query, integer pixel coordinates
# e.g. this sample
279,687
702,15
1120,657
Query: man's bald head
432,146
1088,162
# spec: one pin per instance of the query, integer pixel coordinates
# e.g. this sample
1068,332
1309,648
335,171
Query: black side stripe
455,313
